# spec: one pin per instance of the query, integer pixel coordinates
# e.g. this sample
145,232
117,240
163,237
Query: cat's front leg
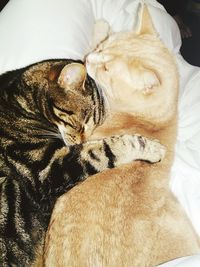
116,150
74,164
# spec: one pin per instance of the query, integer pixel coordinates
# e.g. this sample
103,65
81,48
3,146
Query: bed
35,30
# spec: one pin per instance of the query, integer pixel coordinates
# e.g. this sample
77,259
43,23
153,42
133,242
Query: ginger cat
127,216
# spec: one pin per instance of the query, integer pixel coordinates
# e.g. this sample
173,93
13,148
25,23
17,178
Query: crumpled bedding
185,177
34,30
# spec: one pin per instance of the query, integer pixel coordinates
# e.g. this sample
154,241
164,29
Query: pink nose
82,137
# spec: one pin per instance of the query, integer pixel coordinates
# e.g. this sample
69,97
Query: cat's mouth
144,79
72,140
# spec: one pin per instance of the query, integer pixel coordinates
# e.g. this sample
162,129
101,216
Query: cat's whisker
51,135
45,129
48,133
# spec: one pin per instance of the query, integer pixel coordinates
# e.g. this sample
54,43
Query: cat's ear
72,76
145,25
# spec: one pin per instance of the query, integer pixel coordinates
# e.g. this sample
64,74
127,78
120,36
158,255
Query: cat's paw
128,148
101,25
101,32
137,147
151,150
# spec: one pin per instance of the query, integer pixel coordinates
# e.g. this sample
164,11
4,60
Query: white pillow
34,30
189,261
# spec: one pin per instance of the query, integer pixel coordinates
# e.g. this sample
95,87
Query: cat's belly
117,218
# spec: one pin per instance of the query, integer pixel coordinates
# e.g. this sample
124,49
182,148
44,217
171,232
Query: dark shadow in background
189,12
3,3
191,46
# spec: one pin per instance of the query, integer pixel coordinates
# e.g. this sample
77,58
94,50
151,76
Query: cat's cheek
106,82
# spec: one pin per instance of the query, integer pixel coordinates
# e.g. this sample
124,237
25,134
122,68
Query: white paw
102,26
154,151
101,32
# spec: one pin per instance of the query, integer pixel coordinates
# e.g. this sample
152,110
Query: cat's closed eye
61,114
62,111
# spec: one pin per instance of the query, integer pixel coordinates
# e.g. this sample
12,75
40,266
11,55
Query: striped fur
38,163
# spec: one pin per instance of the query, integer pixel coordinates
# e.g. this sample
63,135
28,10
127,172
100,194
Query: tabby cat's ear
145,22
72,76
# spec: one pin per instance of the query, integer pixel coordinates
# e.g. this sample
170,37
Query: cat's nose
82,137
85,136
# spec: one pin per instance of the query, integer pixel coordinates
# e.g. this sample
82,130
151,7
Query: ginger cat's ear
145,25
72,76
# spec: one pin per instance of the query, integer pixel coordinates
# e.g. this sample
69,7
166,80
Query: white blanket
34,30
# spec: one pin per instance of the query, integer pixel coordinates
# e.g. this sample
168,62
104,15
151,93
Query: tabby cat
127,216
47,112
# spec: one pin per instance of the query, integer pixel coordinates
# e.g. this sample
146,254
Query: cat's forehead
73,99
125,46
113,39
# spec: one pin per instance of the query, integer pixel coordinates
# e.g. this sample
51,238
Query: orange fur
127,216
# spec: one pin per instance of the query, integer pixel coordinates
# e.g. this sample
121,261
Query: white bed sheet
190,261
34,30
185,178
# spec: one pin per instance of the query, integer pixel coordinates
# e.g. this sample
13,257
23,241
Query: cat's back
114,218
